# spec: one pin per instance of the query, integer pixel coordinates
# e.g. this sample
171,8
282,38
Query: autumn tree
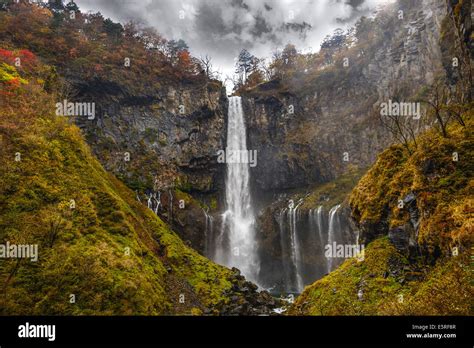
335,41
56,5
206,63
289,55
403,128
174,48
255,78
152,40
114,30
247,65
284,62
436,99
459,106
185,63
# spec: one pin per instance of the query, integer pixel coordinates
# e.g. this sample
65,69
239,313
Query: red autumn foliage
85,46
7,56
27,56
14,82
10,86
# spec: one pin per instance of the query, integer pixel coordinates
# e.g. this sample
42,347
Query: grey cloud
221,28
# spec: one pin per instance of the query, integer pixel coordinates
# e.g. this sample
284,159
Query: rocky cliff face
418,232
308,129
456,42
295,229
292,244
171,133
314,126
163,143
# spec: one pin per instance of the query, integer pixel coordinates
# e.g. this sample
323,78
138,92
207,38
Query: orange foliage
7,56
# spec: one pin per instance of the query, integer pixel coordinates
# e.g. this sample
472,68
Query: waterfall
284,250
317,228
170,214
290,247
208,234
304,237
238,220
316,224
333,227
154,201
158,201
295,245
319,217
150,202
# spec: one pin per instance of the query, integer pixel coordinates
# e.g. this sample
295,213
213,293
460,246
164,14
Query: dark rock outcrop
172,134
246,300
405,237
159,139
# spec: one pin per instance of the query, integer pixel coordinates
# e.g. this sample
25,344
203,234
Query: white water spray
209,234
316,223
295,245
333,226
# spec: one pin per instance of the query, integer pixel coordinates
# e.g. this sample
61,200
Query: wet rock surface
173,131
245,299
405,237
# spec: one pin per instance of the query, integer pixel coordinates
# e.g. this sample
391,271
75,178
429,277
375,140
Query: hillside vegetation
95,240
430,277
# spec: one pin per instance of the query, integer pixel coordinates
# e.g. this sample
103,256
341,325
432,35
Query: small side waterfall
150,201
295,244
284,249
316,223
209,235
154,201
170,214
319,219
290,243
304,236
334,226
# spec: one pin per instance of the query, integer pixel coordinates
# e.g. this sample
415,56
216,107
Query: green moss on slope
438,280
95,241
443,188
384,283
334,192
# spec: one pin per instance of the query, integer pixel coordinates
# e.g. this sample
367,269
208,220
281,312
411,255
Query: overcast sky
221,28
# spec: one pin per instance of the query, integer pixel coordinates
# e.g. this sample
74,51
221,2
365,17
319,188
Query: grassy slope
385,289
82,251
334,192
387,281
444,188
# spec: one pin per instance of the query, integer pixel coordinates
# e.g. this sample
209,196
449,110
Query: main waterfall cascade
236,245
303,234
